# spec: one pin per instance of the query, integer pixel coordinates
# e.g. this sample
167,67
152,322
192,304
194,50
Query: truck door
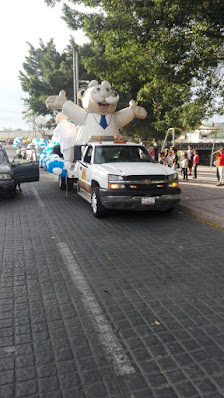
26,172
85,171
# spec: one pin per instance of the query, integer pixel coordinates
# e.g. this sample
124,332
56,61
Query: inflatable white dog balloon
98,116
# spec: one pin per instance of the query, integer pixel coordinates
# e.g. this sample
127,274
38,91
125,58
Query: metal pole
77,75
34,126
74,76
173,136
211,159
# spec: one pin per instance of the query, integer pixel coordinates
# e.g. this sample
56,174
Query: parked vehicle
13,173
122,175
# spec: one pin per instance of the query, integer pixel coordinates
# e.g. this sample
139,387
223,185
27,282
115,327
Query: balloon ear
81,93
93,83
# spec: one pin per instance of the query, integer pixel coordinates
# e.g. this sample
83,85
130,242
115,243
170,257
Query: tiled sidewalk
202,197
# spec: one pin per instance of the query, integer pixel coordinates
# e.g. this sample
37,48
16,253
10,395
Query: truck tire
61,183
97,208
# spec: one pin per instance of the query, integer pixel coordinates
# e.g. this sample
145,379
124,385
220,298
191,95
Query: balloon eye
108,90
98,89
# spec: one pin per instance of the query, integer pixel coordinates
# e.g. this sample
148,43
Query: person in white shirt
169,159
190,158
184,166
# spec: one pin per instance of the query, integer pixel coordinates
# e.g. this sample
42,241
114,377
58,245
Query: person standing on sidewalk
184,166
190,158
220,164
175,159
195,163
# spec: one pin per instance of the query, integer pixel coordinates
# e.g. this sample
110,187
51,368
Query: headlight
173,177
115,182
113,177
5,177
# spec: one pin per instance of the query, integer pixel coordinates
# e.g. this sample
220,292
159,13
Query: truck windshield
121,153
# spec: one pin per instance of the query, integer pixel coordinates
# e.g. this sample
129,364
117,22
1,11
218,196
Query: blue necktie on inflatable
103,122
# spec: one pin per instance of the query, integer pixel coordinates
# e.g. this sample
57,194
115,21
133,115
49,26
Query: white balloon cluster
52,162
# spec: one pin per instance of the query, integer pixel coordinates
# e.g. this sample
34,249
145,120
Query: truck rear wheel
97,208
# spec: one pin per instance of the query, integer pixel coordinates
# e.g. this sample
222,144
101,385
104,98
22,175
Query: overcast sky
23,21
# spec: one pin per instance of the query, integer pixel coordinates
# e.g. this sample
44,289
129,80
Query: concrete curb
203,216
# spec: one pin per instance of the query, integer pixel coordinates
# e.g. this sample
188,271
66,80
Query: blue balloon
55,165
64,173
17,141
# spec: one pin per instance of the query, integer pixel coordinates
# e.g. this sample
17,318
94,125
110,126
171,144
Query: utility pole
34,126
76,80
75,75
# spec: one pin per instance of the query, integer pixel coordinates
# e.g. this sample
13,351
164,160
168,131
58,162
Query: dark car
14,173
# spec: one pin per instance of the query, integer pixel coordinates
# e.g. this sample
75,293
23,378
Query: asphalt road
126,306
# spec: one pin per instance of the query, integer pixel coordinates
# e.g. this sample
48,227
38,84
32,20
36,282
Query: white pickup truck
122,175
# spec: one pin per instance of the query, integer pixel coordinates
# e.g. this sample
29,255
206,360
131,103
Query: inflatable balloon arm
138,111
77,114
126,115
56,101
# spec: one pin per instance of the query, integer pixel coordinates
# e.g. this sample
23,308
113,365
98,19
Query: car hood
135,168
5,168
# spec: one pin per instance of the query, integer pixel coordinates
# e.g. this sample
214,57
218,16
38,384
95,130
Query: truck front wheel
97,208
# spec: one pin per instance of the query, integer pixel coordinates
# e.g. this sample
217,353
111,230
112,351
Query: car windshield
3,157
121,153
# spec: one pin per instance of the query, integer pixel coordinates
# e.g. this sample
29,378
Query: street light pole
77,75
74,76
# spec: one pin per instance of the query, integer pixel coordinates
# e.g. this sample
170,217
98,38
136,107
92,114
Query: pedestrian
196,161
190,158
18,188
169,159
152,152
220,164
166,150
184,166
217,169
156,154
162,158
175,159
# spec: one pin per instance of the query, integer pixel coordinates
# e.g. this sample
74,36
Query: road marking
111,345
37,196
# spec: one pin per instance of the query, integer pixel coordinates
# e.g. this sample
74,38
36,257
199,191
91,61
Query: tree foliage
45,73
167,53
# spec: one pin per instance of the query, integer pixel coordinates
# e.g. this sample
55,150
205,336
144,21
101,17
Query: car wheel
97,208
61,183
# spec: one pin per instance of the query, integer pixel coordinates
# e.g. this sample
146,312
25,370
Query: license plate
148,201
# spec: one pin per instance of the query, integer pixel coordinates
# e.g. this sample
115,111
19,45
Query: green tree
46,72
168,53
